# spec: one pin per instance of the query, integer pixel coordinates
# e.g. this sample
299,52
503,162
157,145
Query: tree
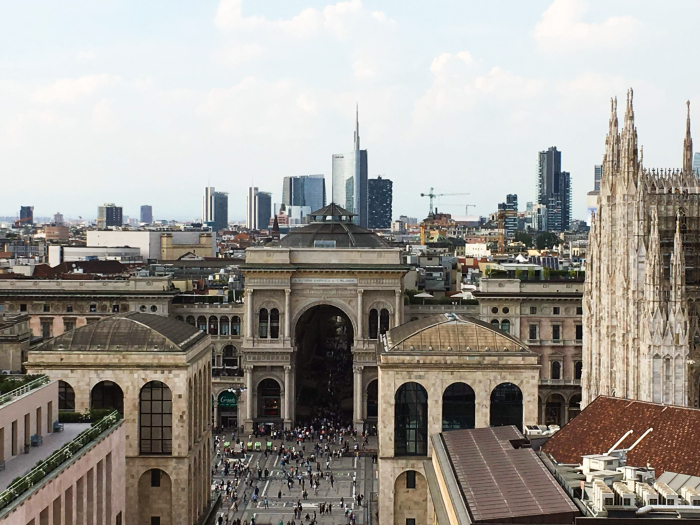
546,240
525,238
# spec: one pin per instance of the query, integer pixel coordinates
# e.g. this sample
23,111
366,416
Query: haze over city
112,101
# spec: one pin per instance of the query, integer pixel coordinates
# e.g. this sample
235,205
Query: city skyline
219,93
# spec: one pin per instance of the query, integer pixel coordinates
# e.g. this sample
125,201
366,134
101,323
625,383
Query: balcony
226,372
560,382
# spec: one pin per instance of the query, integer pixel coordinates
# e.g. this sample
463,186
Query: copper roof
502,483
132,332
672,445
451,333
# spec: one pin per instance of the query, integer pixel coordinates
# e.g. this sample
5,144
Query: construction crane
433,195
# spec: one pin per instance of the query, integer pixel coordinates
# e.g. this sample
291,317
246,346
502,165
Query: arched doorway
554,410
324,376
458,407
373,399
269,400
155,497
574,406
507,406
107,395
410,503
228,410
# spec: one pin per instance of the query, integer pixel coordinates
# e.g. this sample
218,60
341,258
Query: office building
304,190
554,190
263,208
509,209
350,180
597,176
258,209
147,214
696,163
592,196
58,218
26,215
379,198
215,209
109,215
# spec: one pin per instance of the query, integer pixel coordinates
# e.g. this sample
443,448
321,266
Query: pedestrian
266,506
279,494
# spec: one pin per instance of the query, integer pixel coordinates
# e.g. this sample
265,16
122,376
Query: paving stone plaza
352,476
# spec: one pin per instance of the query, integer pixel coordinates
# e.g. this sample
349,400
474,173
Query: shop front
228,410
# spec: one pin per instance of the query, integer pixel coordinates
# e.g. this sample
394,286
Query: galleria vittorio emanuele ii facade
640,306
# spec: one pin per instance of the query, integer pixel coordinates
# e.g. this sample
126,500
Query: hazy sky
147,102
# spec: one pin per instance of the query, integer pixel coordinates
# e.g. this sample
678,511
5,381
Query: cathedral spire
612,152
628,143
653,261
678,264
688,145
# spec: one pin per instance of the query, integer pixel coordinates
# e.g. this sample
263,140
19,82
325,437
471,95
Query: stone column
397,308
360,315
357,398
249,397
288,396
249,312
216,415
287,314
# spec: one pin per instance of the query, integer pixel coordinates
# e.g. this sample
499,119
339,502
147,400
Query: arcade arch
507,406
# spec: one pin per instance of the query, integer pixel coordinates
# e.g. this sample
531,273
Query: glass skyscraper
304,190
350,179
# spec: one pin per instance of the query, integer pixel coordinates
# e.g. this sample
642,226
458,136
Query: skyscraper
554,189
258,209
26,215
350,179
510,215
379,197
304,190
599,174
264,210
109,215
251,211
147,214
215,209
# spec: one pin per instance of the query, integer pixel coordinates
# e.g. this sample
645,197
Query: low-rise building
55,473
15,338
547,313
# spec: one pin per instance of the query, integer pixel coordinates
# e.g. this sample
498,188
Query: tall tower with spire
641,323
350,178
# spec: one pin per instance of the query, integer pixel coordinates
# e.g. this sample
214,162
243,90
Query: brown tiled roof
504,484
673,445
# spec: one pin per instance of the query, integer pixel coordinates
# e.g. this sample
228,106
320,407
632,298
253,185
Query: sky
137,102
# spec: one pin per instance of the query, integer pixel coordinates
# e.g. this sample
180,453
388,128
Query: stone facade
291,281
436,366
548,315
640,313
186,373
15,338
57,306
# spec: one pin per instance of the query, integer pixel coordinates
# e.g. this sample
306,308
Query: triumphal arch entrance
317,302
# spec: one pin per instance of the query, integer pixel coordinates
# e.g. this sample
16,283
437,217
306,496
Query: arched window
373,398
223,325
458,407
578,369
202,323
156,419
230,357
213,325
269,394
373,323
180,318
505,326
66,397
507,406
213,357
274,323
190,320
235,325
384,321
107,395
411,420
574,406
495,323
556,369
263,323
